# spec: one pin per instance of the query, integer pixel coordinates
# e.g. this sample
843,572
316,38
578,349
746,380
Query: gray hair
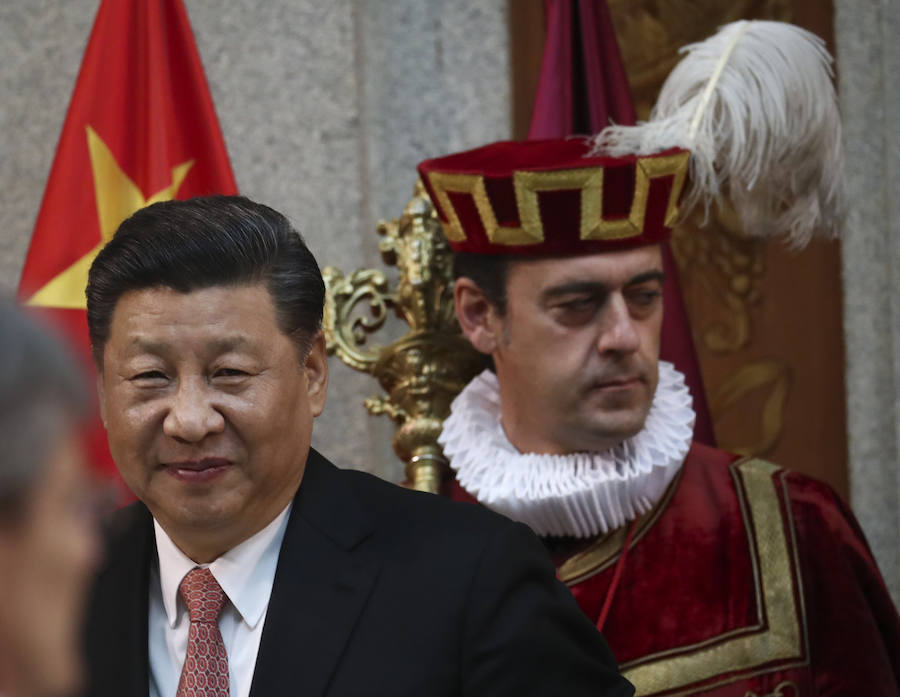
41,393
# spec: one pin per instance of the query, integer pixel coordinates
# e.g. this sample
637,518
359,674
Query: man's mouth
198,470
619,383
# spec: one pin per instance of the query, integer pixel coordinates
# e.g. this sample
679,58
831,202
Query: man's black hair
488,271
201,243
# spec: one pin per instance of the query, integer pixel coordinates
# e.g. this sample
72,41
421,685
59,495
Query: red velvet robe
746,580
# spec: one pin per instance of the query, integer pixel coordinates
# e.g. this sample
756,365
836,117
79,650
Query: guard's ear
478,318
315,365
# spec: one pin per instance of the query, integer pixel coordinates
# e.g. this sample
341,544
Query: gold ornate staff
426,368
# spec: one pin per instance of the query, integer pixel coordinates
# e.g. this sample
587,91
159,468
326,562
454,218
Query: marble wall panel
869,60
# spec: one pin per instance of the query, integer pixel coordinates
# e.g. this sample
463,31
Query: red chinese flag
582,87
141,128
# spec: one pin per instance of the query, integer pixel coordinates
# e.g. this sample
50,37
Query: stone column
868,63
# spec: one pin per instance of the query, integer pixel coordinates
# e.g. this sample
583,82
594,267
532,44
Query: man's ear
477,317
316,367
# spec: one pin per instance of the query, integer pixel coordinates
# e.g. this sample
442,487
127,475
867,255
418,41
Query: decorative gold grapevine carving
425,369
728,266
345,332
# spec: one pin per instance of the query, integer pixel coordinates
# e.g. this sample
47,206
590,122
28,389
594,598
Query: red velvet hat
542,197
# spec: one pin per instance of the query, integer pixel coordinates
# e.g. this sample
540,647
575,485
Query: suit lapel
321,586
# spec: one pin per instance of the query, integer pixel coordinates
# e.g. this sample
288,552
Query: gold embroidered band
587,180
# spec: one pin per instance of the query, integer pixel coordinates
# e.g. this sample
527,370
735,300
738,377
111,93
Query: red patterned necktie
205,672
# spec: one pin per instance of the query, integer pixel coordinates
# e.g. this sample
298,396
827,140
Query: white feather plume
755,104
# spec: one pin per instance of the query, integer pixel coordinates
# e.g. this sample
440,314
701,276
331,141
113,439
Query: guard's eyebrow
597,288
655,275
575,288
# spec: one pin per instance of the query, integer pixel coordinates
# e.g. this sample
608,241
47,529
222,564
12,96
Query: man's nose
618,332
192,415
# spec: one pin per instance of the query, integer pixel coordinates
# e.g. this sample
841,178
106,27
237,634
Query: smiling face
208,408
577,350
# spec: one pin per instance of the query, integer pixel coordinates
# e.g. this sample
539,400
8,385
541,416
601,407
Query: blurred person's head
48,546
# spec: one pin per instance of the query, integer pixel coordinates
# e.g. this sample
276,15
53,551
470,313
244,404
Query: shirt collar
245,573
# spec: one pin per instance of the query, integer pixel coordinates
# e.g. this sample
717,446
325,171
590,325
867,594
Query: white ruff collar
579,495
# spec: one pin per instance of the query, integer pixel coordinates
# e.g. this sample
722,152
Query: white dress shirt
245,573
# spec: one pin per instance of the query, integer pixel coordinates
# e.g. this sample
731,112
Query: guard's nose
618,332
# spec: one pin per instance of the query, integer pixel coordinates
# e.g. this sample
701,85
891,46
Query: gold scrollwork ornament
423,371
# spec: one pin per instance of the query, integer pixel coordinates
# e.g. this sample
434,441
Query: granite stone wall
869,61
326,107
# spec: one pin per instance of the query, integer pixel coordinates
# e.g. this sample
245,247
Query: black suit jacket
378,591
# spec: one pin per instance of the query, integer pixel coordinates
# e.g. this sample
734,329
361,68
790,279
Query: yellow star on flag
117,198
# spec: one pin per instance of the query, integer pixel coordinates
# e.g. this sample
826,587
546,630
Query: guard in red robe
745,579
708,574
742,579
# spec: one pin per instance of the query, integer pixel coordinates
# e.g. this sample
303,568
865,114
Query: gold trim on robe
776,639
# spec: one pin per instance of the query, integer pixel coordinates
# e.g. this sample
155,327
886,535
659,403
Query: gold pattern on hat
589,180
649,168
473,184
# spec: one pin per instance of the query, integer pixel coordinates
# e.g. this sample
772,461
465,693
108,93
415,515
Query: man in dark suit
251,565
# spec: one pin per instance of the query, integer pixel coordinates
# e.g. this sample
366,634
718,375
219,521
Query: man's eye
229,373
644,297
576,311
149,375
579,305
